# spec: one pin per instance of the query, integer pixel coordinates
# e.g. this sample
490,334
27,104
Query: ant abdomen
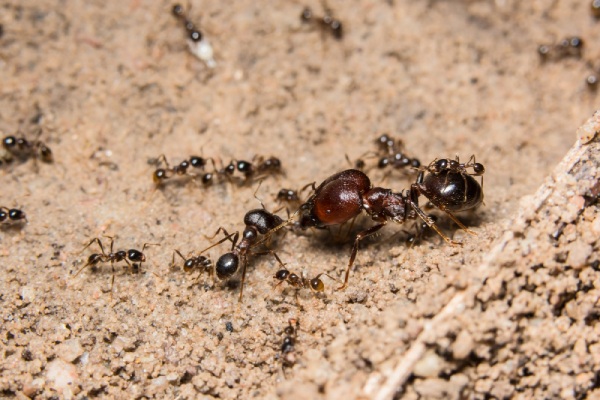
227,265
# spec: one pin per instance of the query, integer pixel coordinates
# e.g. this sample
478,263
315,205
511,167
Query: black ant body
327,23
258,222
288,196
12,215
160,175
197,43
257,169
129,256
192,263
288,345
23,149
343,196
300,282
568,47
391,155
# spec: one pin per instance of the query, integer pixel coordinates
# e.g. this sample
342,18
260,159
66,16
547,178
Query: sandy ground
513,313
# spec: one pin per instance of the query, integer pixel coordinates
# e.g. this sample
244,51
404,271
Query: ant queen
446,183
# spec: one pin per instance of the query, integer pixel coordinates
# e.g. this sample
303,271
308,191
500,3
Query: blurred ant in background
288,345
162,174
197,43
12,215
327,23
300,282
23,149
568,47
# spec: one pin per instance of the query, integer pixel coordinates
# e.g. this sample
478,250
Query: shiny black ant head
575,42
592,80
230,169
317,285
9,142
282,274
227,265
135,255
16,214
159,175
306,15
195,35
543,50
207,179
383,162
262,220
244,167
177,10
287,195
385,141
272,164
184,165
197,162
46,154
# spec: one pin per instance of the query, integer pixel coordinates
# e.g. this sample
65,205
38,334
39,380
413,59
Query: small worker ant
327,23
568,47
288,346
343,196
391,154
258,222
300,282
191,263
257,169
160,175
197,42
23,149
129,256
12,215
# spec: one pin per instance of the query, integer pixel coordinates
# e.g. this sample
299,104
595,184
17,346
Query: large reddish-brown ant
343,196
12,215
258,222
129,256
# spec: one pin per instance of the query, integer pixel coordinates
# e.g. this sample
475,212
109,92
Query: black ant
568,47
300,282
258,222
595,8
343,196
200,263
12,215
325,23
197,43
288,196
160,175
288,346
129,256
391,154
257,169
23,149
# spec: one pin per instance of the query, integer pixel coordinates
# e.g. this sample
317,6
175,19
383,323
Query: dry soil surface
512,313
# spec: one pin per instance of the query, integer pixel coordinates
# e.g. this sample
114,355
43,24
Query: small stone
62,377
70,350
123,343
429,366
34,387
579,252
172,377
463,345
27,294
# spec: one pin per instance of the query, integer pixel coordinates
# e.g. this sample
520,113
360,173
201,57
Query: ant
259,167
23,149
162,174
288,346
568,47
391,154
129,256
300,282
192,263
12,215
287,195
343,196
258,222
325,23
595,8
197,43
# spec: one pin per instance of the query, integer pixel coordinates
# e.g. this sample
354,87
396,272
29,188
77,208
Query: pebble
579,252
463,345
70,350
429,366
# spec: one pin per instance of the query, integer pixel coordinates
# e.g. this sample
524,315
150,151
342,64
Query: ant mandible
12,215
129,256
258,222
343,196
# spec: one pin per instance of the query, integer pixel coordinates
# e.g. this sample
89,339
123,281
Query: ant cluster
12,215
197,42
249,171
23,149
327,23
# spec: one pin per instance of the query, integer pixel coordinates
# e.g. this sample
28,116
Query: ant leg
90,243
460,224
271,252
235,235
180,255
163,158
432,224
359,237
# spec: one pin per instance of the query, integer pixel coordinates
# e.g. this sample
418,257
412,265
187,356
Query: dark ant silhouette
194,263
23,149
12,215
129,256
327,23
255,170
568,47
288,196
288,345
161,174
197,43
258,222
391,155
343,196
300,282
